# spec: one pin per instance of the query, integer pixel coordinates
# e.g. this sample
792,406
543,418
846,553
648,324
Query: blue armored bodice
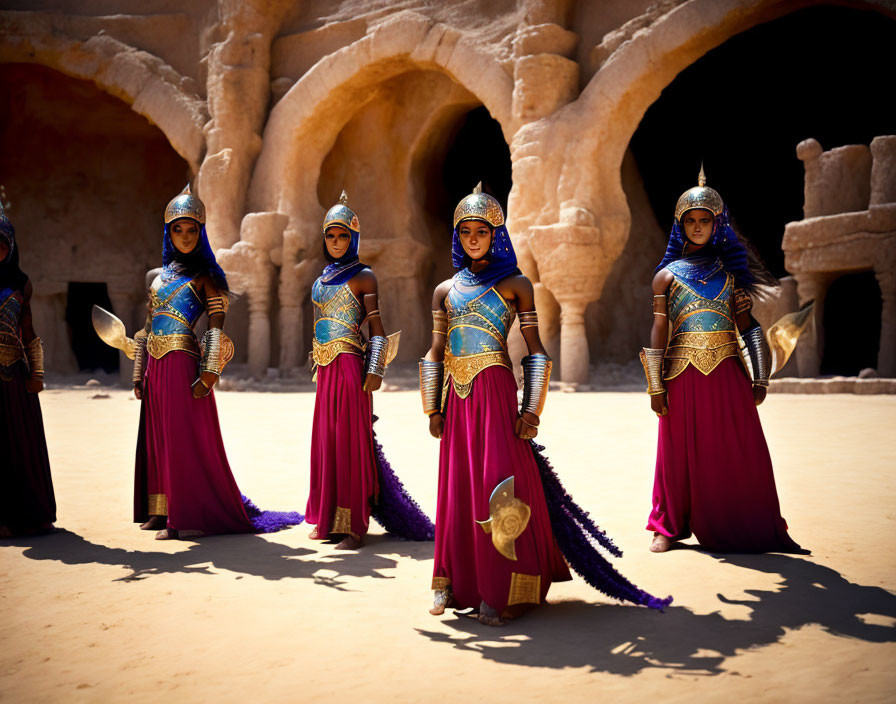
338,313
701,319
176,304
478,322
700,297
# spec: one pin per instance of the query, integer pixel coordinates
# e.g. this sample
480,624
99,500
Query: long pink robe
713,470
343,473
478,451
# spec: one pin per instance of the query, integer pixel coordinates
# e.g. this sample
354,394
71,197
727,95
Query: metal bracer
432,375
760,355
212,352
139,357
536,375
376,355
34,351
652,361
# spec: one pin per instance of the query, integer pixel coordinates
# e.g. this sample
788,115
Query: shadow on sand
624,640
246,554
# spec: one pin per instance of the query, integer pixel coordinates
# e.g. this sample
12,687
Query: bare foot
489,616
349,542
167,534
155,523
660,543
443,599
314,535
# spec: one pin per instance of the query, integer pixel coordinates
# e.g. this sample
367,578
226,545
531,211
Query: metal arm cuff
536,375
212,352
652,361
376,355
139,356
760,355
34,351
431,377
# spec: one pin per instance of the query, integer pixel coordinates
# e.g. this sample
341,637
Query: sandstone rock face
273,107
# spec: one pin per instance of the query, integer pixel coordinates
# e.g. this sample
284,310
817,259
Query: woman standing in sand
27,501
713,470
350,476
504,522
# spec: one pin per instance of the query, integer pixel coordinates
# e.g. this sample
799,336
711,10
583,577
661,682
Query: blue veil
501,258
200,261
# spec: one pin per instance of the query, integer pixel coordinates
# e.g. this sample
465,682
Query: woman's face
698,225
337,239
4,249
185,234
475,238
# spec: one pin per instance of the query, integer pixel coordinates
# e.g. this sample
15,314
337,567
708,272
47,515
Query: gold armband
652,361
659,304
439,322
34,351
217,304
743,302
528,319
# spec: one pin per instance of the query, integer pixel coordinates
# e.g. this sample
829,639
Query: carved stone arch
146,83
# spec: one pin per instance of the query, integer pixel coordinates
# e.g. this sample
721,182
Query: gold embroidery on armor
323,354
704,350
342,522
524,589
441,583
463,370
157,505
160,345
11,350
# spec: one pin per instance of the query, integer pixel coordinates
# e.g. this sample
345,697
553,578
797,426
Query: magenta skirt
27,501
478,451
714,473
182,468
343,473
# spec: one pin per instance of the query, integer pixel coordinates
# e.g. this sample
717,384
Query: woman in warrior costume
504,522
27,502
713,471
184,487
350,477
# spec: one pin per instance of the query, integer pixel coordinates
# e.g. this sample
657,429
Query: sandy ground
102,612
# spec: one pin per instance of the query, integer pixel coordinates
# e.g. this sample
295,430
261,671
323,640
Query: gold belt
462,370
160,345
11,350
323,354
704,350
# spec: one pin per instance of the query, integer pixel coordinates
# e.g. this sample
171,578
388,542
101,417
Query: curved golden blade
508,518
112,331
783,335
392,347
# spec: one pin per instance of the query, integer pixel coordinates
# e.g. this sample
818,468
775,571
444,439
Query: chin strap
34,351
760,355
431,378
536,375
652,361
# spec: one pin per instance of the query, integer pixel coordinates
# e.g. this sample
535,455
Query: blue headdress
501,256
10,274
338,271
725,244
202,259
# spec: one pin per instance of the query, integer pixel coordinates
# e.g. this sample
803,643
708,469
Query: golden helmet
341,214
701,196
479,206
185,205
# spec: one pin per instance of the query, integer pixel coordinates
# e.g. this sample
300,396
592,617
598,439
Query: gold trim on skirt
703,350
462,370
157,505
323,354
160,345
524,589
